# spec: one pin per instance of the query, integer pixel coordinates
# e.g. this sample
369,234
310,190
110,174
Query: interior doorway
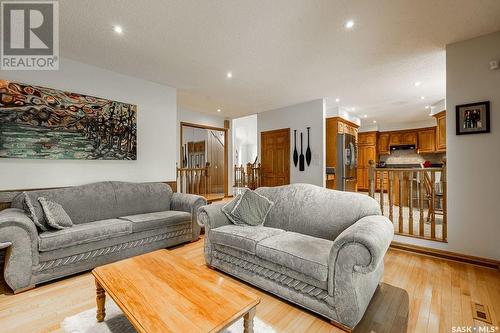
275,157
203,161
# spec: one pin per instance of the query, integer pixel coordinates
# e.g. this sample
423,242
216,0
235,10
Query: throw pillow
228,208
55,214
29,209
252,208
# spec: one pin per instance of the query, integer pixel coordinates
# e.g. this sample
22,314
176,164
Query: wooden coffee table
160,292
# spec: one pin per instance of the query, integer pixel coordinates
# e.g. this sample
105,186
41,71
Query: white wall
473,160
245,139
156,107
298,117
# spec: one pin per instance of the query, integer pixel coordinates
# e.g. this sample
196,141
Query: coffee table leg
248,321
100,300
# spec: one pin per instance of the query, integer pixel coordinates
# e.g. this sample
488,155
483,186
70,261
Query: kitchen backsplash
410,157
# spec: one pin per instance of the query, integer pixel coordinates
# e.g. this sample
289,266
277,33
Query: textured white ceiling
280,52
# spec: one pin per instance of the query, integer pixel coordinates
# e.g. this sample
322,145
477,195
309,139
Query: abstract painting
38,122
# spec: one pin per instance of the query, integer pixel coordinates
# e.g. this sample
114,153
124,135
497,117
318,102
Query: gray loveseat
112,221
318,248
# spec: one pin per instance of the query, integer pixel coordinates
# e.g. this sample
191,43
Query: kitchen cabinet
395,138
367,150
383,143
427,140
441,131
409,138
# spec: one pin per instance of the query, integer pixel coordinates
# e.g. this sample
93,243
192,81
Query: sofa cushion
243,238
149,221
302,253
251,209
83,233
55,215
140,198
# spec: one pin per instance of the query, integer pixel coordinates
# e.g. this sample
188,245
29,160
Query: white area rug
116,322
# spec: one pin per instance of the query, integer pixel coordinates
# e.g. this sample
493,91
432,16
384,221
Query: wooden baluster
391,193
191,181
410,203
235,175
206,178
400,219
382,191
259,172
198,180
432,205
444,181
421,203
371,178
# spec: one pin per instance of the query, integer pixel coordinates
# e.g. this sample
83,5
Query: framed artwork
46,123
473,118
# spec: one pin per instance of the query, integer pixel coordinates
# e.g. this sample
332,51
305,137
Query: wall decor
308,150
473,118
46,123
301,156
295,153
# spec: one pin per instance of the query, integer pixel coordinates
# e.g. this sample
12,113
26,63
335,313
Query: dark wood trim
447,255
183,123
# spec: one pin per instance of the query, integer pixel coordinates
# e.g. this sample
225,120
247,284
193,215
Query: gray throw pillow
29,209
55,215
251,208
228,208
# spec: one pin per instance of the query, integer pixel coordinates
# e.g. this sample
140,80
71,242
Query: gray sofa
318,248
112,221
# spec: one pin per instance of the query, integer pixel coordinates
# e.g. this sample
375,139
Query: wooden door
275,160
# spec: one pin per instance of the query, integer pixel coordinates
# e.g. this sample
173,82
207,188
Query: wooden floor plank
418,294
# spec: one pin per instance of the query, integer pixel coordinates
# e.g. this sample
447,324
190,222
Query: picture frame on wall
473,118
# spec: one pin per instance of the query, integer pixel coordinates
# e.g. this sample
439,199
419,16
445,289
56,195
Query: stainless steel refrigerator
347,162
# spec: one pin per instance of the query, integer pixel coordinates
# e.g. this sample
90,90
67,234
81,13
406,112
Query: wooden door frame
225,130
289,131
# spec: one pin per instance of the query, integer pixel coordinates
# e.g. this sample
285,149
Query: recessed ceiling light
219,110
353,109
422,97
427,107
365,116
374,121
229,75
337,99
349,24
417,83
118,29
430,114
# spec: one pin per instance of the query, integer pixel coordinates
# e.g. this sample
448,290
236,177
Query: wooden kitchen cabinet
395,139
409,138
367,150
383,143
427,140
441,131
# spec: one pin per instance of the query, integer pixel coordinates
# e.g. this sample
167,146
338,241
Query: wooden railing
248,176
194,180
406,195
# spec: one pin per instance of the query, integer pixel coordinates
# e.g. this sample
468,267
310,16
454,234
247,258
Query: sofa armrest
211,217
189,203
356,265
18,233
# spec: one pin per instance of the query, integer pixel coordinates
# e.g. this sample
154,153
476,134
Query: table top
160,292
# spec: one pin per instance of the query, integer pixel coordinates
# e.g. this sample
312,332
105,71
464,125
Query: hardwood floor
418,294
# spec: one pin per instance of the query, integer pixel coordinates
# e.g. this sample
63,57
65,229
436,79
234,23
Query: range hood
402,147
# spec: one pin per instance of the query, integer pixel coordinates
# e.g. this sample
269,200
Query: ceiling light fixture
418,83
427,107
365,116
353,109
219,110
349,24
337,99
374,121
118,29
430,114
229,75
422,97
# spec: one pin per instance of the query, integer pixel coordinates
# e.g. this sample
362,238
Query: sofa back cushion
140,198
316,211
103,200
